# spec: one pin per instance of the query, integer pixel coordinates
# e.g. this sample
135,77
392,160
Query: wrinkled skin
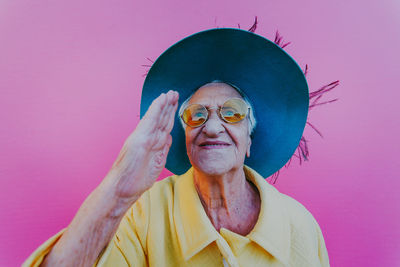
217,147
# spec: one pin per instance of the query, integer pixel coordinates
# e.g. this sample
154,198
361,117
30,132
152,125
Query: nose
214,125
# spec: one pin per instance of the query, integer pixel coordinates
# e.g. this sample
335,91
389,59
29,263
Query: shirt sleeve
127,247
123,250
37,257
322,251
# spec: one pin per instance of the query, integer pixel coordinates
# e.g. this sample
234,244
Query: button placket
226,252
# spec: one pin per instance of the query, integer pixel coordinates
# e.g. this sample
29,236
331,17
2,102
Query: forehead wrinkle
212,92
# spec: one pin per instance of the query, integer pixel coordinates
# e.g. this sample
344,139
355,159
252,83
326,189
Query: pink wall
70,81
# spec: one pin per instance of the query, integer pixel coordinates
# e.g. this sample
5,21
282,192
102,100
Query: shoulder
299,216
306,239
164,187
160,193
155,201
297,212
292,211
152,206
306,236
304,228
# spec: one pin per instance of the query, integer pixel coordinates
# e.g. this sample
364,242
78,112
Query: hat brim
268,76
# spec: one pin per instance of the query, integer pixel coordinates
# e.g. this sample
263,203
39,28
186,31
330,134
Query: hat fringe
254,26
148,66
302,151
279,40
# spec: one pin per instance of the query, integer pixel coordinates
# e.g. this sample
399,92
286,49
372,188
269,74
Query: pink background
71,77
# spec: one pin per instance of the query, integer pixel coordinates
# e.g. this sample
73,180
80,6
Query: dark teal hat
267,75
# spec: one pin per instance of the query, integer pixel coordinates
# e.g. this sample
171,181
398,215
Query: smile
216,144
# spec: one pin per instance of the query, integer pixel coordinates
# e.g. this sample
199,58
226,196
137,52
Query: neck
220,191
230,201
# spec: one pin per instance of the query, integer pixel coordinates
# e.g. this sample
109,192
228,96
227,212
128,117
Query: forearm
92,227
136,168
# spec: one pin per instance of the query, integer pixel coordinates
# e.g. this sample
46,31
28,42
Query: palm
145,151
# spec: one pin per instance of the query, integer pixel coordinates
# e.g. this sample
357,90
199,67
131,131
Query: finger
161,138
151,119
171,119
165,111
161,156
157,115
167,147
169,141
169,109
161,101
172,113
174,96
156,106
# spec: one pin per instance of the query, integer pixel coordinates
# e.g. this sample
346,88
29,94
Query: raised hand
144,153
138,165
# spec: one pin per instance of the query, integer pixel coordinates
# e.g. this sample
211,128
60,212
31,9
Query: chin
213,167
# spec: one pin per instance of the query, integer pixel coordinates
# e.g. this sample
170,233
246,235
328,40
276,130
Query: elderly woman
220,212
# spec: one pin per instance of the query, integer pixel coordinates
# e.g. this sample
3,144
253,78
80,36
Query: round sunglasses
232,111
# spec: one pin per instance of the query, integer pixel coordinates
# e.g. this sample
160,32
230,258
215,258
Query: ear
248,148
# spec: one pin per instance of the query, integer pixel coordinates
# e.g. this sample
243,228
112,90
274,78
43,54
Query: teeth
215,145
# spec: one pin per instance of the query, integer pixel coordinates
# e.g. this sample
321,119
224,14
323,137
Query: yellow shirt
168,226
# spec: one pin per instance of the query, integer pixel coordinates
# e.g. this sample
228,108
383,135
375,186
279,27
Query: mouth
214,145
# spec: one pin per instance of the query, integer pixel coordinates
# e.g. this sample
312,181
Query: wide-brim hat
268,76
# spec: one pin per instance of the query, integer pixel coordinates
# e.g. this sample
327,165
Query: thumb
161,157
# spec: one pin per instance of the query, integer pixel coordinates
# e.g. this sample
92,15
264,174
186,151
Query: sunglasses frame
218,112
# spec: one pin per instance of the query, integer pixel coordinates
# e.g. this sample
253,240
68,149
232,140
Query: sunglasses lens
195,115
234,110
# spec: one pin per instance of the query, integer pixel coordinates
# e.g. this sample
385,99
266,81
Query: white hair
252,120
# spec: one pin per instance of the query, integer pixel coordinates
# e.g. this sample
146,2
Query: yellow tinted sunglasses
232,111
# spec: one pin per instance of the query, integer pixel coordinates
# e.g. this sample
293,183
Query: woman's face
217,147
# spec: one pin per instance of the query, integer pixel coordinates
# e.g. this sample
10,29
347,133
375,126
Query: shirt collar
195,230
272,230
